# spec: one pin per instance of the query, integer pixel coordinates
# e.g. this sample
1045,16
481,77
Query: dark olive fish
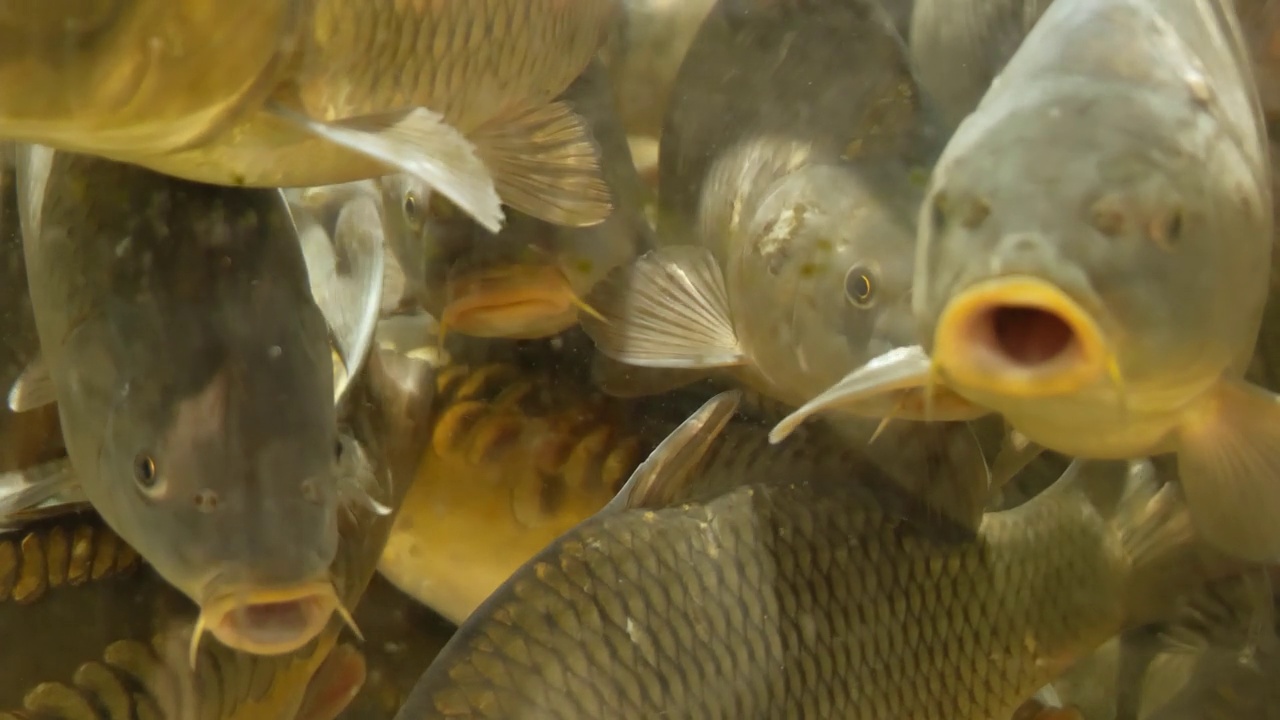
795,582
391,410
194,384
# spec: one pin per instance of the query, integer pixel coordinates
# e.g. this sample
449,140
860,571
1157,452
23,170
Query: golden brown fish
314,92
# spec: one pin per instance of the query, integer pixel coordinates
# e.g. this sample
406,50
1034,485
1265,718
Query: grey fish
791,582
1067,311
789,176
387,421
194,385
329,92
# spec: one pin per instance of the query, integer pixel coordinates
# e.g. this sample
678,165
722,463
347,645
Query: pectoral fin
666,474
421,143
33,388
545,164
1229,465
1016,452
895,384
668,309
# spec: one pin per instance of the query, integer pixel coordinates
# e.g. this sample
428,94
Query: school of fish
584,359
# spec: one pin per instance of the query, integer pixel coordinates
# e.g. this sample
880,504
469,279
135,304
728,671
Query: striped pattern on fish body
65,551
520,455
147,681
799,592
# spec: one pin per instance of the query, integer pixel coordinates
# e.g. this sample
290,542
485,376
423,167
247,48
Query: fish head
823,274
512,285
126,77
1084,249
222,459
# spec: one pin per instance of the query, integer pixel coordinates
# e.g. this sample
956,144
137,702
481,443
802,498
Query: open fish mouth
524,302
1019,336
273,621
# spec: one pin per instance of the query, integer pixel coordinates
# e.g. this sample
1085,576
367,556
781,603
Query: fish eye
144,473
411,206
860,286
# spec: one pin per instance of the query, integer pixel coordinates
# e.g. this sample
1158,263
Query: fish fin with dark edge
33,388
894,384
334,685
1229,463
421,143
25,489
632,381
941,464
667,309
545,164
669,469
1016,452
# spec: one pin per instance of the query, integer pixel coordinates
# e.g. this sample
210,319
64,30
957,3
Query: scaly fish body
192,374
317,92
792,583
136,77
785,205
510,456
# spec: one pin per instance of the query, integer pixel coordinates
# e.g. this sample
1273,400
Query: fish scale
802,592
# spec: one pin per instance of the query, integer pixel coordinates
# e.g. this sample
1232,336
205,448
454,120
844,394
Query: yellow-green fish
734,578
192,374
316,92
525,457
1094,259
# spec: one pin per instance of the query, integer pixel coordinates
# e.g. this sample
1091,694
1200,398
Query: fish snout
1019,336
269,621
1022,253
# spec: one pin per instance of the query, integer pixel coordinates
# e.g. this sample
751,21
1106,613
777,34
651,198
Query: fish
1068,312
540,452
527,281
735,578
643,53
387,421
193,381
319,92
60,552
959,46
789,180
